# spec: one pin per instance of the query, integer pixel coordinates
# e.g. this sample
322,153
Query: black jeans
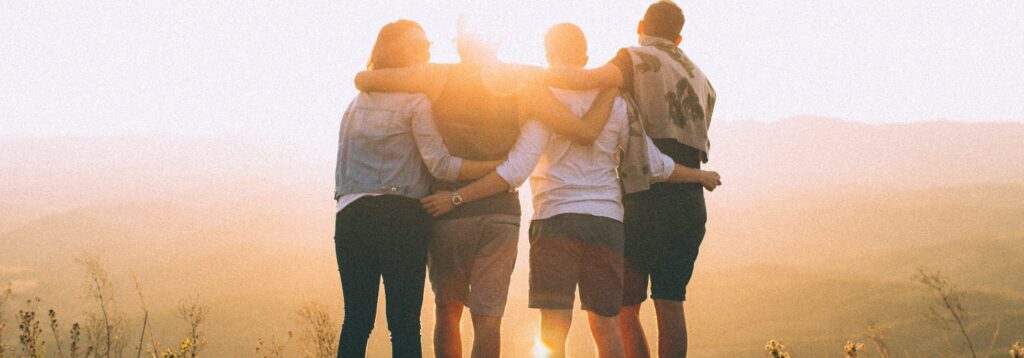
382,237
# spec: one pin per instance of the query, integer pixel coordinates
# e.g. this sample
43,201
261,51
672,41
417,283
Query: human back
475,122
377,150
674,97
567,169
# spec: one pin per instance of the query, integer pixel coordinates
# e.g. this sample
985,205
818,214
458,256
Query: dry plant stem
995,335
194,314
145,321
318,331
56,334
949,298
146,325
100,280
5,296
877,335
76,332
30,337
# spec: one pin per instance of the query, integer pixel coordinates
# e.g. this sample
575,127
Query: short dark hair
566,43
664,19
386,51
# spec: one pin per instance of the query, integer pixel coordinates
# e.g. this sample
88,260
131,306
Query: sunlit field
166,174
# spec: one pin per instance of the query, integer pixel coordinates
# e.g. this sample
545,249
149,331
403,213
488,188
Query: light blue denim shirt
389,144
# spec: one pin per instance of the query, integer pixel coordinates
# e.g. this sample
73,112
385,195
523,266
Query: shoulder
417,102
393,101
623,58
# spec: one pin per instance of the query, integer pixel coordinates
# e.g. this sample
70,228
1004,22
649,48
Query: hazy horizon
193,68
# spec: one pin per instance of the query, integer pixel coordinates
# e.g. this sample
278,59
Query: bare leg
486,336
606,335
447,335
633,339
671,329
554,329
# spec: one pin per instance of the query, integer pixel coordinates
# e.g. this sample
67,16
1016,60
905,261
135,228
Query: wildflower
1017,351
852,349
776,349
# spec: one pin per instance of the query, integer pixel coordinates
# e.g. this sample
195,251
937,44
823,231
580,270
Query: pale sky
256,67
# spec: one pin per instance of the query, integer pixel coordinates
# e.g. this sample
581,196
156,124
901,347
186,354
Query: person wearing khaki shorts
471,261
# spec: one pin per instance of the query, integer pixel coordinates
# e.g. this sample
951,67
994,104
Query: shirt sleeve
525,154
624,62
661,164
441,164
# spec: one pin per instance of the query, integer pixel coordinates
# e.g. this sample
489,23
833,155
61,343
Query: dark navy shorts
575,249
664,229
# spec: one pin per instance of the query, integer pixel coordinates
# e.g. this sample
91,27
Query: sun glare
539,349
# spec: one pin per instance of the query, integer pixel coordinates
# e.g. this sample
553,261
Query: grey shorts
575,249
470,260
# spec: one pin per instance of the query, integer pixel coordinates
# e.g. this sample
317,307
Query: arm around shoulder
427,78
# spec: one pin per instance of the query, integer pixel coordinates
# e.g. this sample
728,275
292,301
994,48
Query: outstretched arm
540,103
605,76
427,78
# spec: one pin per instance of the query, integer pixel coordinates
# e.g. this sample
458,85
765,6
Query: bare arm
708,179
607,76
439,161
510,174
473,169
664,169
427,78
540,103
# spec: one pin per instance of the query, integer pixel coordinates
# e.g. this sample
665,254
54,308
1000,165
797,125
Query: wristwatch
456,198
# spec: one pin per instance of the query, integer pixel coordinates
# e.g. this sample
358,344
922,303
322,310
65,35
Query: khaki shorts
470,260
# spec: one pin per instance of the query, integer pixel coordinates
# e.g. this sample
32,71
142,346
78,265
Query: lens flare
539,349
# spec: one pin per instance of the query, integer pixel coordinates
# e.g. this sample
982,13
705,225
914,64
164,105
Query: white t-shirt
571,178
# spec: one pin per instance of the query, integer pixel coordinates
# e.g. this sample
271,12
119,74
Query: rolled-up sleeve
525,154
441,164
661,164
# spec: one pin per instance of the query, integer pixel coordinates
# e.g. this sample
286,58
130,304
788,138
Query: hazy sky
214,67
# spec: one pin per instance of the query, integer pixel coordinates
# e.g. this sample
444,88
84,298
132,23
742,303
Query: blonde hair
387,51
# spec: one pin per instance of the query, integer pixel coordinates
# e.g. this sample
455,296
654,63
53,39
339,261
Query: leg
486,336
632,332
554,329
638,252
489,277
685,218
359,288
404,297
606,335
452,244
671,328
554,274
447,334
360,279
404,272
602,279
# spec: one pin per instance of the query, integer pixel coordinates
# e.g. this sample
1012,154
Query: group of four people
430,156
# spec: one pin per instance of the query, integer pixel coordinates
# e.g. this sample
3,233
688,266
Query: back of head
473,45
399,44
664,19
566,45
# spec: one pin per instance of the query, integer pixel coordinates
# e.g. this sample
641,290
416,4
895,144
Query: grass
106,332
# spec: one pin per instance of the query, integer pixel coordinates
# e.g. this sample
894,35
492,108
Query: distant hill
817,230
794,153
